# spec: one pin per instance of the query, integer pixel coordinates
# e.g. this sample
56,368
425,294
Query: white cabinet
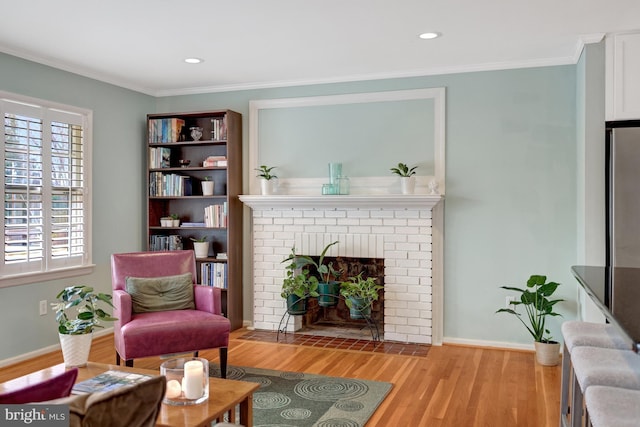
623,76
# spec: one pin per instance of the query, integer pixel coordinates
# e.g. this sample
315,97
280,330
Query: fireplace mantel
375,201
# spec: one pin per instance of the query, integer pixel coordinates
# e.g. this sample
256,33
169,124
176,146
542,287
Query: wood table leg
246,411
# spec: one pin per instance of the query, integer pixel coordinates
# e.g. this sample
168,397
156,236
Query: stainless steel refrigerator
623,193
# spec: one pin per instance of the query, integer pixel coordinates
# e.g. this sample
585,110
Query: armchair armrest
208,298
122,304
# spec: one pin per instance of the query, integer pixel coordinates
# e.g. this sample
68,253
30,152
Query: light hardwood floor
453,386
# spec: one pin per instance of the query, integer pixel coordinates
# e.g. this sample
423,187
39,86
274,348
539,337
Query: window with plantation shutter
46,225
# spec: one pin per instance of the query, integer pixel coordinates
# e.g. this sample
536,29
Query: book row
165,130
172,242
219,128
159,157
161,184
216,216
214,274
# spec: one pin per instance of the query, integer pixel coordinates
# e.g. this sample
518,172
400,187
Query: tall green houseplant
535,299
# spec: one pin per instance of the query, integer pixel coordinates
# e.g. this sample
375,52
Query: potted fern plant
535,298
76,333
298,285
407,178
328,287
267,179
359,294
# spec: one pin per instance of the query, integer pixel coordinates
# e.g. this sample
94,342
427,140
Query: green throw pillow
161,293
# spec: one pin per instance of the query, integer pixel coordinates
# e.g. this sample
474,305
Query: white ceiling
141,44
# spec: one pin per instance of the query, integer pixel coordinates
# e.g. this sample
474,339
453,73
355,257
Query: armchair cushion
161,293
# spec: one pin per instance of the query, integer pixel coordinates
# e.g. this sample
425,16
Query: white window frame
49,268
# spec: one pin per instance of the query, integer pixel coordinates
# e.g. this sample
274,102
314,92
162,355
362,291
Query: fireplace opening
335,321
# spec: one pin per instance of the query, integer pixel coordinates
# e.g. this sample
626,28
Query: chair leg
195,354
129,363
117,358
564,387
223,362
576,405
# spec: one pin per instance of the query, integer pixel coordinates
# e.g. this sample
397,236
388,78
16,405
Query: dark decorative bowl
184,163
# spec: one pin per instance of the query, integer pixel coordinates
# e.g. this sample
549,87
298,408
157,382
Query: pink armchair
156,333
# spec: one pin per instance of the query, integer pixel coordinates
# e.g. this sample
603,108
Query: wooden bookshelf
182,195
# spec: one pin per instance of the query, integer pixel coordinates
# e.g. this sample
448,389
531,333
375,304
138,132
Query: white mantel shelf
371,201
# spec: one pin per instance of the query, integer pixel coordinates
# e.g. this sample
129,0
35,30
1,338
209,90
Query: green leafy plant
357,287
404,170
174,216
326,271
85,301
265,172
535,299
206,178
297,281
198,239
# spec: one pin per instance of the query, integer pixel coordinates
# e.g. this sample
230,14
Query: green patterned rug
304,400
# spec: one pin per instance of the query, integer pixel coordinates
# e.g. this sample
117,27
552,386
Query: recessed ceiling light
193,60
429,36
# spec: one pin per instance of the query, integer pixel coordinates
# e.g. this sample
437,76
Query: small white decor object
196,133
268,186
187,380
433,187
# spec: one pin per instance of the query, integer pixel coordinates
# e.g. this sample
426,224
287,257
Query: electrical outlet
509,302
43,307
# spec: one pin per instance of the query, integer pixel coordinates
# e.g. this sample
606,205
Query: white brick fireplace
406,231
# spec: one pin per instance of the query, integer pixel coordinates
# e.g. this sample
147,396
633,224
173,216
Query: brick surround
402,236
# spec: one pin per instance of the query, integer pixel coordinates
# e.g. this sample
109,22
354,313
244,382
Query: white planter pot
166,222
207,188
75,349
175,223
407,184
201,249
547,354
267,186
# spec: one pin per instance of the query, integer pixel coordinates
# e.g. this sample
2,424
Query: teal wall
119,117
510,208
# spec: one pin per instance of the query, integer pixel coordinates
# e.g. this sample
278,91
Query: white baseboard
490,344
45,350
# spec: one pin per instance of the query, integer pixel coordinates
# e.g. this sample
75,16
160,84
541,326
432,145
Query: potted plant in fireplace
267,179
407,178
298,285
328,286
76,333
359,294
537,304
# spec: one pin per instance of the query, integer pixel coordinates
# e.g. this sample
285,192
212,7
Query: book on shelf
172,242
163,131
159,157
216,216
215,161
219,128
194,224
169,184
109,380
214,274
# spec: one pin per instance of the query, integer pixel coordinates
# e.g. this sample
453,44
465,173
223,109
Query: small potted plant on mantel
76,334
267,180
407,178
359,294
298,285
537,305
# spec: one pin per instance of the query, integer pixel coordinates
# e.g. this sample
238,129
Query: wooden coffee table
224,396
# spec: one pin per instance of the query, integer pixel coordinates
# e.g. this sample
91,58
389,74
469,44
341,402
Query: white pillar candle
174,389
193,379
